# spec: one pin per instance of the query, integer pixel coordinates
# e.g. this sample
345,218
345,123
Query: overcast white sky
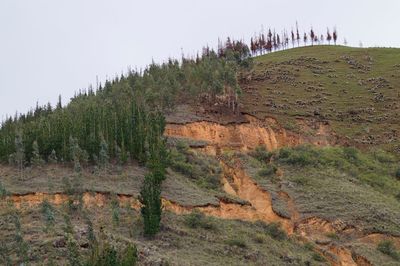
52,47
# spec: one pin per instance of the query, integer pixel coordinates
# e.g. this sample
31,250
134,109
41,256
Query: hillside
303,169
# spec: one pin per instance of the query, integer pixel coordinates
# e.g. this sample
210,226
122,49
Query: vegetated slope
336,204
357,90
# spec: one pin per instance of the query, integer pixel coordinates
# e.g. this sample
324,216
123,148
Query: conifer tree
334,35
53,157
150,194
75,154
103,155
312,36
293,38
328,36
36,158
19,152
150,198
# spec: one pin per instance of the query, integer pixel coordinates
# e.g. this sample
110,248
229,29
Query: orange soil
248,135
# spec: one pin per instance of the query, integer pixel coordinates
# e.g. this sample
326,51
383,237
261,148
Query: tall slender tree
312,36
293,38
335,35
328,36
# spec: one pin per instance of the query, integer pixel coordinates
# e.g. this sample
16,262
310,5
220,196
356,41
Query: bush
398,173
387,247
300,156
48,213
238,242
130,256
197,219
309,246
108,256
351,154
383,156
261,154
3,191
73,255
259,238
318,257
268,170
398,196
275,231
183,168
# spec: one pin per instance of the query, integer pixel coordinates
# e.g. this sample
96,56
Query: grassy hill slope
356,89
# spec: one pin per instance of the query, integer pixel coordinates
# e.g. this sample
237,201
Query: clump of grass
259,238
332,235
237,241
197,219
387,247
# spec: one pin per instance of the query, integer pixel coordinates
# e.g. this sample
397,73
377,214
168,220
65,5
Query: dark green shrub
318,257
398,196
398,173
309,246
197,219
351,154
3,191
275,231
261,154
48,213
150,198
108,256
22,247
129,257
183,168
268,170
387,247
73,251
300,156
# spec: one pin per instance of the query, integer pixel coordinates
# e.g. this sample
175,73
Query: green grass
387,247
342,85
356,187
229,242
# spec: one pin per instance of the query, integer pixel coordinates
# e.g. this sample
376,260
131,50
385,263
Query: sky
53,47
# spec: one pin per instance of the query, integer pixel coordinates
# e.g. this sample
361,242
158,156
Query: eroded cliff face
253,133
245,188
